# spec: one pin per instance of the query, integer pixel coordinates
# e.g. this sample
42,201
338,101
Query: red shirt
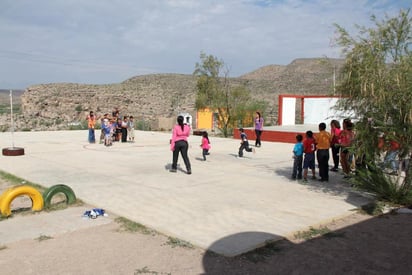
309,145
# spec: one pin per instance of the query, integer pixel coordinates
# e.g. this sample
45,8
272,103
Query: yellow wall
204,119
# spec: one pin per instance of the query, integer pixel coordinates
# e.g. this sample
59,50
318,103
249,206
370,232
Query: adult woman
346,139
178,143
258,128
335,143
91,123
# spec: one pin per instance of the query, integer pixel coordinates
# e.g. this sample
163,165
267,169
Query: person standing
124,128
309,148
178,143
346,138
91,123
297,158
258,128
335,143
323,140
130,129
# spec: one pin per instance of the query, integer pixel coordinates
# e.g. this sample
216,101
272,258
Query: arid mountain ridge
155,100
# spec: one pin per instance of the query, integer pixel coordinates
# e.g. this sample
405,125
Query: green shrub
385,187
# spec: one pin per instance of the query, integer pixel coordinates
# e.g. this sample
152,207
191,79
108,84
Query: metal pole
334,79
11,117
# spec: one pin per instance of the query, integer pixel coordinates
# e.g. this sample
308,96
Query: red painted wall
274,136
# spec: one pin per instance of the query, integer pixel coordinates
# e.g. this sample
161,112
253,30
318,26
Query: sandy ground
357,244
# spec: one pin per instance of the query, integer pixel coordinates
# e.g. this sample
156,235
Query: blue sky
109,41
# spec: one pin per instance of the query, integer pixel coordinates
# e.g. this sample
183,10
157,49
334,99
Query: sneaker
173,170
334,169
189,172
313,177
305,180
293,178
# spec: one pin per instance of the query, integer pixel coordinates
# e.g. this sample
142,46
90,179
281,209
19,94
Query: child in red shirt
309,148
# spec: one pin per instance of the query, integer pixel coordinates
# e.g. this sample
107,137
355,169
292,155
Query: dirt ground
357,244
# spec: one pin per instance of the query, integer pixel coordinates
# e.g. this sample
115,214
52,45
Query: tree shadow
378,245
336,186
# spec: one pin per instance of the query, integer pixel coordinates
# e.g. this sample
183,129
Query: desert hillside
154,100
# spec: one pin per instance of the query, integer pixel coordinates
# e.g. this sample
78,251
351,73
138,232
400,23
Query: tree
376,84
216,92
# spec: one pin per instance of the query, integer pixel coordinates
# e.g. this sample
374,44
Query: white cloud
107,41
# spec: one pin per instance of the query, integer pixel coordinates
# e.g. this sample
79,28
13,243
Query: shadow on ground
379,245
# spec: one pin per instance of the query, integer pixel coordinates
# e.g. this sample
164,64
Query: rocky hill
155,100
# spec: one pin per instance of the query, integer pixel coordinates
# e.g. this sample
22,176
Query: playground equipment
10,194
12,151
49,193
39,201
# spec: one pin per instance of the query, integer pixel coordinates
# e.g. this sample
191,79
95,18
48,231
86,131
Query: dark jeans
335,155
258,135
297,167
322,156
205,153
124,134
244,146
182,147
91,136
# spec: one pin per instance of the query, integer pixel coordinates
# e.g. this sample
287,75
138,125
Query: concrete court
228,205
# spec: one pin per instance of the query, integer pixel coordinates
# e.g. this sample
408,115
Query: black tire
49,193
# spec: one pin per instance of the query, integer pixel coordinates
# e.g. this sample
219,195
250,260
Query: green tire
49,193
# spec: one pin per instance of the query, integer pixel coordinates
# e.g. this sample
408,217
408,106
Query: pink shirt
205,144
335,132
179,134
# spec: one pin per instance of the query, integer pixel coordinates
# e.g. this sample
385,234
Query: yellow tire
21,190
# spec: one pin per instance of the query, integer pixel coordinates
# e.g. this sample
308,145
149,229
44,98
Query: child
244,144
323,140
297,158
107,129
309,148
130,129
205,145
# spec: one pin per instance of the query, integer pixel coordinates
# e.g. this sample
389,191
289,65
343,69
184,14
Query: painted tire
13,151
10,194
49,193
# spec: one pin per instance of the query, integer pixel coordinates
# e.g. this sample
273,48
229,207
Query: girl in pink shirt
178,143
335,143
205,145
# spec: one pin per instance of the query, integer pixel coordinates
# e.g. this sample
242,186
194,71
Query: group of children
114,128
339,141
304,156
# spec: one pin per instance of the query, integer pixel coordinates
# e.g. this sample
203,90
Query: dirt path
358,244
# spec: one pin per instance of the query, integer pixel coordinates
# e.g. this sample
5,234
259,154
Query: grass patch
127,225
176,242
312,232
374,208
43,238
14,180
62,205
146,270
260,254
